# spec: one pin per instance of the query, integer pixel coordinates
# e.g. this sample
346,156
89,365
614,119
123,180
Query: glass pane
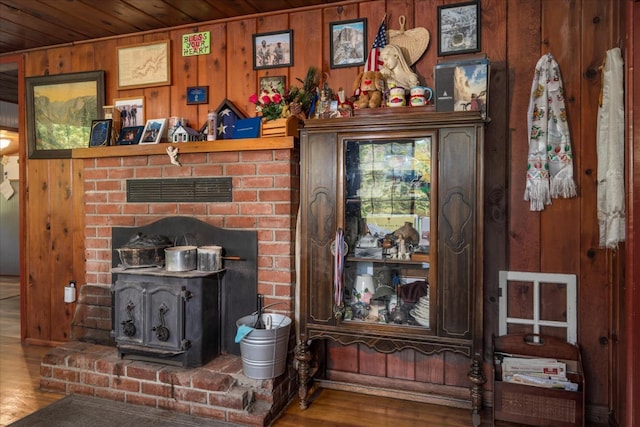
387,227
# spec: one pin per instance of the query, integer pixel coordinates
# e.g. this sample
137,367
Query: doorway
11,231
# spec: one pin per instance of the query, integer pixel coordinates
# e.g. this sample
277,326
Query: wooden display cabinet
372,175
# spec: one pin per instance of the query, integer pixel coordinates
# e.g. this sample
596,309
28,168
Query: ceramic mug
420,95
396,97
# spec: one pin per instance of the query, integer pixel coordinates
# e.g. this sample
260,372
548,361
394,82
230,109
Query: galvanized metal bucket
264,351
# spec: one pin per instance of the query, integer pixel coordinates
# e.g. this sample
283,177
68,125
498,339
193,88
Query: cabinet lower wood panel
446,207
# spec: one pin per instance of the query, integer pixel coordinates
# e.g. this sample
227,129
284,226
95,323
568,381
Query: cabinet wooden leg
303,356
477,380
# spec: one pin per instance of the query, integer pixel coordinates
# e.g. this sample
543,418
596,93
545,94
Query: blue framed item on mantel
247,128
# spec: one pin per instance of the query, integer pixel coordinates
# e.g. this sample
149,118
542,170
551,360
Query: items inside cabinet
388,231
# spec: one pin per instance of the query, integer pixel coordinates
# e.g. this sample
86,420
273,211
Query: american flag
374,63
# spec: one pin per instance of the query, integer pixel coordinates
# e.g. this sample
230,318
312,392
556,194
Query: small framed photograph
197,95
459,28
129,111
153,131
130,135
272,82
272,50
348,42
100,132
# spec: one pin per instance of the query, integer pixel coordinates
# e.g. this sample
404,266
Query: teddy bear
370,84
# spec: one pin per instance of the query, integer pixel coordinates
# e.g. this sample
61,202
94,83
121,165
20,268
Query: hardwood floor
20,392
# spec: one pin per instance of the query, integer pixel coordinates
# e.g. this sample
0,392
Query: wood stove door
129,312
164,317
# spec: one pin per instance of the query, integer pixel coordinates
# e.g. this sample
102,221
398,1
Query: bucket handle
255,313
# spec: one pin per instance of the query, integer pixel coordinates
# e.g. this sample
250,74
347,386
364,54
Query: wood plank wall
563,238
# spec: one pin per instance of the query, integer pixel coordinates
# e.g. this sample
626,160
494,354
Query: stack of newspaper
541,372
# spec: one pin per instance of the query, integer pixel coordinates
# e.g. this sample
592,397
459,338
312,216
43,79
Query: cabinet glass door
388,228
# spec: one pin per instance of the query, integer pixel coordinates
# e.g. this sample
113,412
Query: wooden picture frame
272,82
130,135
153,131
100,133
273,50
459,28
144,65
60,110
348,41
129,111
197,95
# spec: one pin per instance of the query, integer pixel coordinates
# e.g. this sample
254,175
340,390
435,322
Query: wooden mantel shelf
264,143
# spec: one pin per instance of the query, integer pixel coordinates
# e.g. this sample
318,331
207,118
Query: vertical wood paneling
184,74
561,31
595,286
524,39
61,232
241,80
401,364
426,18
370,362
39,257
430,368
212,71
158,100
105,59
496,156
308,47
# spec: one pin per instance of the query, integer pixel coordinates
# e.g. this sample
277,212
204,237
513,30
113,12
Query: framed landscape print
348,41
272,50
462,85
459,28
60,110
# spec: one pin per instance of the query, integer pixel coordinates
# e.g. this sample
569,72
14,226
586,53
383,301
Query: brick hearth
216,390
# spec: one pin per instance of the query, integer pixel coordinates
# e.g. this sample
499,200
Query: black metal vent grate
179,190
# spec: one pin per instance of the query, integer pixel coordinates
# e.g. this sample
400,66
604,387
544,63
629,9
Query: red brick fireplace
265,197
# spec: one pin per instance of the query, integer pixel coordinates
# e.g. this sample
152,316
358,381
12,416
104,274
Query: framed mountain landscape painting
60,110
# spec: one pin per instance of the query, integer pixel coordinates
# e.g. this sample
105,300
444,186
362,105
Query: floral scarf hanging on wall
550,161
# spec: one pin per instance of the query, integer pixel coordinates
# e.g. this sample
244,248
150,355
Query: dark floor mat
85,411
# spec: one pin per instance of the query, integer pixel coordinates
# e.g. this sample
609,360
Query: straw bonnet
413,42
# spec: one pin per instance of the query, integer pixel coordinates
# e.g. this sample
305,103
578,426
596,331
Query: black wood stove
183,318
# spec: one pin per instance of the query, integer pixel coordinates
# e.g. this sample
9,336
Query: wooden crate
538,406
280,127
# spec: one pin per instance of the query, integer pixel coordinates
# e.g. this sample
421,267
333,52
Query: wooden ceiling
29,24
